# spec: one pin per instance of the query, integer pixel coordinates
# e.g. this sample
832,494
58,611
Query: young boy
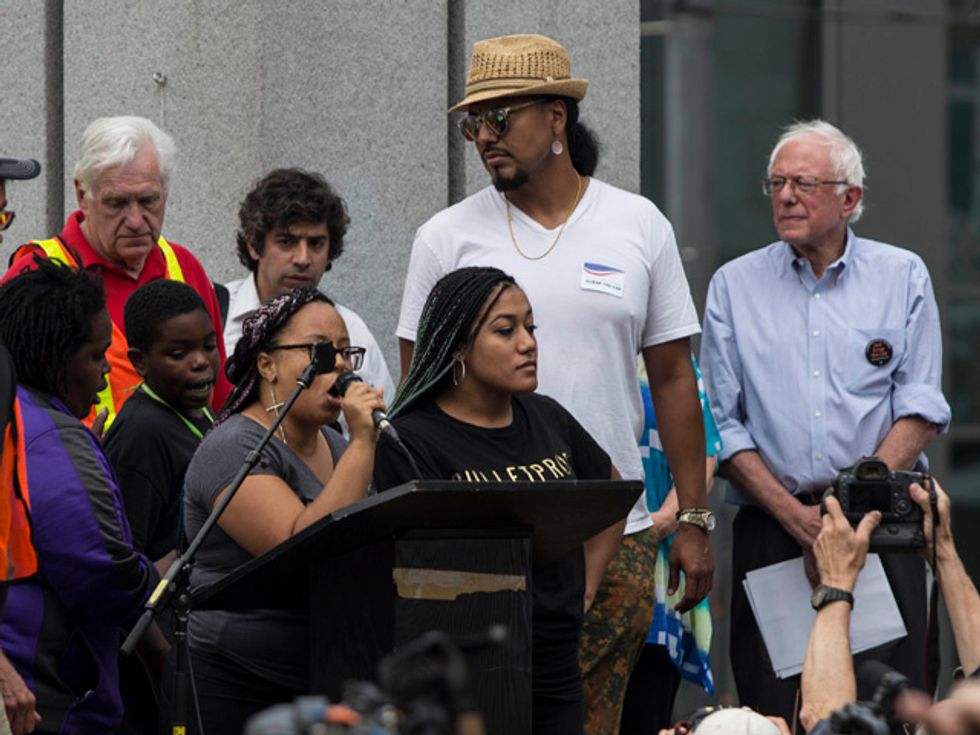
174,348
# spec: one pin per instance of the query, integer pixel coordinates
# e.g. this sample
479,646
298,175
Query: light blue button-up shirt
788,359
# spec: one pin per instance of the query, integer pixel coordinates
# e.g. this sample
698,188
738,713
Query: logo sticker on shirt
604,278
879,352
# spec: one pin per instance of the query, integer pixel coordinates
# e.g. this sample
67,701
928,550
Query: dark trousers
139,698
556,716
650,695
228,694
759,540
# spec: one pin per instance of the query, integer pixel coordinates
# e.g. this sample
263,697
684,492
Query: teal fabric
686,637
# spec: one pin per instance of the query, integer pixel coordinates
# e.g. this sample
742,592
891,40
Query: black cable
194,697
404,450
934,510
934,595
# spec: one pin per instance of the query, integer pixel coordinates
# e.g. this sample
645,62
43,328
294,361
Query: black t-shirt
150,448
544,442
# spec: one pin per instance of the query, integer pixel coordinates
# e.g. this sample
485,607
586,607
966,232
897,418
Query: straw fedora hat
511,66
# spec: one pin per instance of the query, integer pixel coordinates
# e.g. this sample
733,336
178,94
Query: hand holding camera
870,486
943,534
841,550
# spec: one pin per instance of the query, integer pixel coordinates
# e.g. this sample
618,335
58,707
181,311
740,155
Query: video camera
423,689
877,717
870,485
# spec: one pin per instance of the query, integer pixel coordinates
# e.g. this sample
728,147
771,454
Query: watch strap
703,518
832,594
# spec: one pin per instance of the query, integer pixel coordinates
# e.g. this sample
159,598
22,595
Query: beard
510,184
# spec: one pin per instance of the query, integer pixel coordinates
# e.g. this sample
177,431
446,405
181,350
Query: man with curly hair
292,227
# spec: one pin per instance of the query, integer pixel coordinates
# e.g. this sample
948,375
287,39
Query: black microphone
381,422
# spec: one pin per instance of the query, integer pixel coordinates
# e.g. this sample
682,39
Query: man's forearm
828,681
963,606
751,475
905,441
674,389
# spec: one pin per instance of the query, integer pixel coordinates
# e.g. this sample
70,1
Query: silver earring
462,374
556,147
274,408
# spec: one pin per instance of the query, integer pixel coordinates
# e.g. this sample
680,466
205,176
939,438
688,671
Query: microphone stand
174,588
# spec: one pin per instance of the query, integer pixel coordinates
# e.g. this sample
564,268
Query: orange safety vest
17,554
123,378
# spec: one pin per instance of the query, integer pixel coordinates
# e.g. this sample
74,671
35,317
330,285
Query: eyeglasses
804,184
326,354
495,120
6,217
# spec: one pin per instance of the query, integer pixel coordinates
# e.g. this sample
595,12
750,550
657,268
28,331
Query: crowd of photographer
829,688
829,680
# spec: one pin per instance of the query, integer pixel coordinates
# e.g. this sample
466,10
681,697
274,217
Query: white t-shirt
613,285
243,299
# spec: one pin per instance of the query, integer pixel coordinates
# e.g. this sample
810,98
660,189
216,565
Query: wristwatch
824,595
700,517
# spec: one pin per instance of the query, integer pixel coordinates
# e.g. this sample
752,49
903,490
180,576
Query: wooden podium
427,555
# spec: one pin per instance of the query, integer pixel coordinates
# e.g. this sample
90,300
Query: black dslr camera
870,485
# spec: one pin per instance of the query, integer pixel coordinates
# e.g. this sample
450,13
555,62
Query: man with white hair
818,349
122,179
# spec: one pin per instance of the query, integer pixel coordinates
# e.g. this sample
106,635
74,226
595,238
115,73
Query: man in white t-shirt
601,269
292,225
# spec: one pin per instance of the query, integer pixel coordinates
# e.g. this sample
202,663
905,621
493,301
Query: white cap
734,721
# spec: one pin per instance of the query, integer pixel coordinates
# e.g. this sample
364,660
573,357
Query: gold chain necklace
510,225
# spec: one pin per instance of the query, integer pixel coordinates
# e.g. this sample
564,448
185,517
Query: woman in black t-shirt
467,411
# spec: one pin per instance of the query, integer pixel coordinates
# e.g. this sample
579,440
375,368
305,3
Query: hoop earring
556,147
274,407
462,376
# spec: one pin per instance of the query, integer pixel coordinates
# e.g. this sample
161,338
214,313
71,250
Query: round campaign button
879,352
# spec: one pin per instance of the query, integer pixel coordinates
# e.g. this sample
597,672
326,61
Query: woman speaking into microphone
246,661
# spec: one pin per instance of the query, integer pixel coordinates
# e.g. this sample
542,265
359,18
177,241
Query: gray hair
109,142
845,156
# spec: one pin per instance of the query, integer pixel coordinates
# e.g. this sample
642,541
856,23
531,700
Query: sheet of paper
780,599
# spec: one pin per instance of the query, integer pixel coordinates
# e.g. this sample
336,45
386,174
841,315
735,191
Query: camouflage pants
615,629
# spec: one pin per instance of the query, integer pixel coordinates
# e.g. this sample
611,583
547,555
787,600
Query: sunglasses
495,120
6,217
325,354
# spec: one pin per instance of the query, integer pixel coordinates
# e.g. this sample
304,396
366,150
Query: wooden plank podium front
427,555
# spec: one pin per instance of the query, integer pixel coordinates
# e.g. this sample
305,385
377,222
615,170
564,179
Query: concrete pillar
357,90
196,70
353,90
30,115
690,163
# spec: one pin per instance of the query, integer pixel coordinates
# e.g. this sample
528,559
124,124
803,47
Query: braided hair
453,314
258,332
45,317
